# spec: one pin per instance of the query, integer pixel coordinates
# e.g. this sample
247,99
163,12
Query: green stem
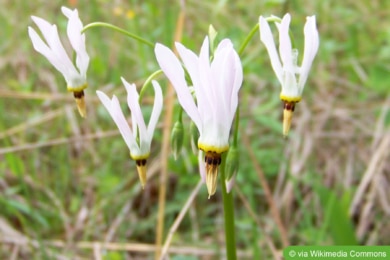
129,34
236,126
248,38
147,82
228,212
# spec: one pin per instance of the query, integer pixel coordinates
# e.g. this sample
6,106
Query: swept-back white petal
157,107
191,63
66,11
51,36
205,71
54,50
285,48
225,43
222,82
268,40
208,90
311,48
44,26
238,79
175,73
39,45
116,114
136,113
57,57
77,40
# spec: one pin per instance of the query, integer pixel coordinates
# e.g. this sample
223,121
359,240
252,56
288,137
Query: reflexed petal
311,48
268,40
204,70
206,81
175,73
58,57
222,83
285,48
38,44
225,43
136,113
44,26
238,78
191,63
77,40
67,11
134,127
157,107
116,114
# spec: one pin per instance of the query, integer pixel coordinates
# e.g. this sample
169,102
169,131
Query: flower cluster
207,87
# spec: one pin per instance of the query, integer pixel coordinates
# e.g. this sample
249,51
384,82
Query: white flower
216,85
52,48
290,75
139,139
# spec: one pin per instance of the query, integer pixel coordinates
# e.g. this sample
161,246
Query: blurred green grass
46,190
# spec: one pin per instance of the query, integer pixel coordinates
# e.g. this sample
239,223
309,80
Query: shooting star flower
290,75
52,48
139,139
216,85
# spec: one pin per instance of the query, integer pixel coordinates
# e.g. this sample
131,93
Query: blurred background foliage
66,180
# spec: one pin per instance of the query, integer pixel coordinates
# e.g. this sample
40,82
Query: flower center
79,98
212,160
141,168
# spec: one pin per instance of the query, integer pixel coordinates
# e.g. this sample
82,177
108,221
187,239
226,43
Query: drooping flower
290,75
216,85
139,139
52,48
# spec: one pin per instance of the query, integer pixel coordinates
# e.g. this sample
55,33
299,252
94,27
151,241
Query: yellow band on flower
139,157
76,89
290,99
211,148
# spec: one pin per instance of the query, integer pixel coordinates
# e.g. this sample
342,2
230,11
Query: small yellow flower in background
139,139
54,51
130,14
290,75
216,85
119,11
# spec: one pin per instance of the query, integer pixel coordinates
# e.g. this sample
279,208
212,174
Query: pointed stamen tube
212,160
141,168
80,101
288,110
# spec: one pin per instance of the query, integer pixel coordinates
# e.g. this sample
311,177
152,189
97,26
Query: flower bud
177,136
212,35
231,167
